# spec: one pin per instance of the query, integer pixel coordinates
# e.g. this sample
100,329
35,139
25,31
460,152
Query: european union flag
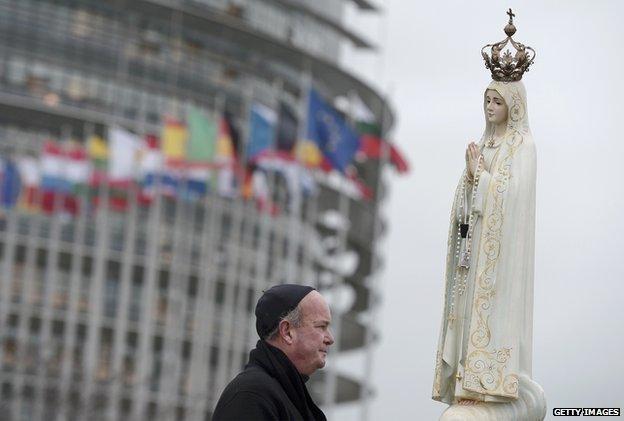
334,137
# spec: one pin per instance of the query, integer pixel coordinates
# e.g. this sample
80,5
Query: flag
283,157
10,184
149,167
78,168
371,147
124,148
174,139
54,183
30,176
371,140
234,134
261,193
362,191
77,173
246,186
308,154
200,154
337,141
262,130
298,179
52,163
365,120
225,160
202,138
173,143
196,186
122,166
287,129
97,150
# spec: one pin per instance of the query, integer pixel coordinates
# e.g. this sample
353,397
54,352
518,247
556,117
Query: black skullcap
275,303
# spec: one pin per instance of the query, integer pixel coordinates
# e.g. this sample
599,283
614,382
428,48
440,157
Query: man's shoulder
253,380
252,394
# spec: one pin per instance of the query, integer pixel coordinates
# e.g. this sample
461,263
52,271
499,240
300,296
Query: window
161,297
110,297
128,370
83,299
10,353
134,312
17,283
61,295
106,347
156,372
220,292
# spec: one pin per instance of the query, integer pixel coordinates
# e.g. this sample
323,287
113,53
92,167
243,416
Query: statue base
530,406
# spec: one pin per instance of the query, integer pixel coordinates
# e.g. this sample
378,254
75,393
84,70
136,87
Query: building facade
147,313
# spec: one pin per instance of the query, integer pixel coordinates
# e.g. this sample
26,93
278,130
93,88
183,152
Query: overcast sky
432,69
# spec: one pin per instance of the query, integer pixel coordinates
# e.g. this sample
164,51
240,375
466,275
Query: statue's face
495,107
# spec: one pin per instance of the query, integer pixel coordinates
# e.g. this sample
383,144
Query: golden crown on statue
508,67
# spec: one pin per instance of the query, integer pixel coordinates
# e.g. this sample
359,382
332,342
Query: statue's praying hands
472,159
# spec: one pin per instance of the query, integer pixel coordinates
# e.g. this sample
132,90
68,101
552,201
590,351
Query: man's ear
285,331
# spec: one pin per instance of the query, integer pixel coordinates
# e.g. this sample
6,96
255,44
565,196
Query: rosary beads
464,234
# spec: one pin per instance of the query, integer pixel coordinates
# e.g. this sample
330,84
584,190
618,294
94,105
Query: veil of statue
484,356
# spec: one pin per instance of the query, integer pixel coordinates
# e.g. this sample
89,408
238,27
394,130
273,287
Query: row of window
243,252
30,356
33,292
287,25
145,49
73,405
54,85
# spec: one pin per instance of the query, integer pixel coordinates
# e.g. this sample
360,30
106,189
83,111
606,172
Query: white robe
487,341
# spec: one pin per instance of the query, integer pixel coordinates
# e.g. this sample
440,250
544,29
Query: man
293,324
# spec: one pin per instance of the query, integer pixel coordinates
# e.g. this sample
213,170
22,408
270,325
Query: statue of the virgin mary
485,346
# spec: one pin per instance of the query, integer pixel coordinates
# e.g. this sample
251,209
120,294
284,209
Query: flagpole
248,221
265,216
101,243
52,272
375,277
239,344
311,203
73,308
177,275
344,204
295,204
10,234
25,276
128,261
187,237
263,248
146,324
237,220
168,372
206,325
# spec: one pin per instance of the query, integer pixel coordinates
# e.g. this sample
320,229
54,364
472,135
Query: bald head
307,342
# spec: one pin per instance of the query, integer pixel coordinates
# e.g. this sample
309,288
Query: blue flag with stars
336,140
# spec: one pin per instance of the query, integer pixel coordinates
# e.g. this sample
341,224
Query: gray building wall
148,313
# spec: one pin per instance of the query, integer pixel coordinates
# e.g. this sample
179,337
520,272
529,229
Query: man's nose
329,338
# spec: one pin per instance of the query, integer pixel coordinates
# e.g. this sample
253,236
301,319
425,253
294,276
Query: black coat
269,388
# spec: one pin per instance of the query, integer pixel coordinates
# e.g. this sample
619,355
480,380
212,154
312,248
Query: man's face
313,338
